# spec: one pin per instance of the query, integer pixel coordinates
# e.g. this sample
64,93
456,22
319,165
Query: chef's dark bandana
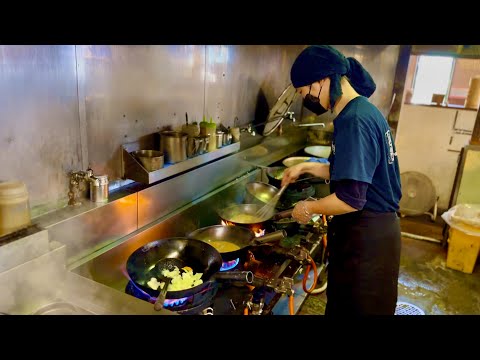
317,62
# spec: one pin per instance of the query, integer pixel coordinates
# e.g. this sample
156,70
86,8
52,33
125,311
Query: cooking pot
239,238
174,146
151,159
196,254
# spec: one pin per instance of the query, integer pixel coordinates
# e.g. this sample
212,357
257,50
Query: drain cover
404,308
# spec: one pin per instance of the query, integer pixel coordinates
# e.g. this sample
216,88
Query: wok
229,213
260,193
200,256
275,175
236,235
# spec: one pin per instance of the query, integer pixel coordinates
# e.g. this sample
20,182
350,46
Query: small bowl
291,161
151,159
318,151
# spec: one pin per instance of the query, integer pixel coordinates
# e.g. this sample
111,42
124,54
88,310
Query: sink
61,308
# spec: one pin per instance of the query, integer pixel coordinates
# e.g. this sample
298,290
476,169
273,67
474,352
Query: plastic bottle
209,129
212,133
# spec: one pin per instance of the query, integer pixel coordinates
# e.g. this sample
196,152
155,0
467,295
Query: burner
265,262
229,265
203,297
258,232
256,228
168,303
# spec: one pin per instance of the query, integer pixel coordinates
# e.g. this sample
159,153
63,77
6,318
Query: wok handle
272,237
283,214
243,276
161,297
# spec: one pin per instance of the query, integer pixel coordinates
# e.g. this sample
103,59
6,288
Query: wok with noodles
231,241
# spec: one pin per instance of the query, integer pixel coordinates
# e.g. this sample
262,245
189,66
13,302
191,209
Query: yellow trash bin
463,250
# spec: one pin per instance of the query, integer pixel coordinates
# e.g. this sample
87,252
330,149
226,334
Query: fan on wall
418,195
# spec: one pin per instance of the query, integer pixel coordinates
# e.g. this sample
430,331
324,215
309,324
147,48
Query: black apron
363,264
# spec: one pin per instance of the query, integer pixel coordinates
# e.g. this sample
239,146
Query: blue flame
229,265
174,302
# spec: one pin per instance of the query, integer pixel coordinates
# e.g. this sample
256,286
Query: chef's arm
349,196
317,169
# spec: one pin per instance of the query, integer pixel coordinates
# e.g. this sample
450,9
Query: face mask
313,103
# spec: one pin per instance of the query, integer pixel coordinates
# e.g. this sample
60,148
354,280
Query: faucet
289,115
77,178
249,129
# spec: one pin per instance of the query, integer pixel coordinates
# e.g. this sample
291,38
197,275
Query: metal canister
173,144
227,139
201,144
99,188
219,136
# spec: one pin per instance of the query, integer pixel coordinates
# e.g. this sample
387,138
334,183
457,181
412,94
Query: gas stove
278,270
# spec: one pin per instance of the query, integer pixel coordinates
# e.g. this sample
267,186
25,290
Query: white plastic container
14,207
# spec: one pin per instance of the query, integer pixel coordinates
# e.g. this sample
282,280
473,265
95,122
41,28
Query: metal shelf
133,170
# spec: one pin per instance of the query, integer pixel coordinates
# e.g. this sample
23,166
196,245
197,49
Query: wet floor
424,279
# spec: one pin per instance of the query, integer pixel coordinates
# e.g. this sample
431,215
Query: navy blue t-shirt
363,150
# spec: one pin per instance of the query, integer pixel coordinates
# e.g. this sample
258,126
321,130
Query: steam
30,286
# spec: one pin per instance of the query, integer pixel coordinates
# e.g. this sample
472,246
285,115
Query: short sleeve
357,153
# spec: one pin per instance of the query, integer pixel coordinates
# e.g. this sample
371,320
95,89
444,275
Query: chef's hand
292,173
301,213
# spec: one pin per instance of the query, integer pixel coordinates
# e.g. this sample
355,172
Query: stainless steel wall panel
133,91
39,123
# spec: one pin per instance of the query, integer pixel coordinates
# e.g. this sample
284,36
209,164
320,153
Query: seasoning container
192,130
14,207
219,139
209,128
235,131
200,145
99,188
227,138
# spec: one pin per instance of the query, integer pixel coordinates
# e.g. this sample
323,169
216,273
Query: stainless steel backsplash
64,107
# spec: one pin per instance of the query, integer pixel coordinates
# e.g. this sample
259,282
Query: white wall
429,140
